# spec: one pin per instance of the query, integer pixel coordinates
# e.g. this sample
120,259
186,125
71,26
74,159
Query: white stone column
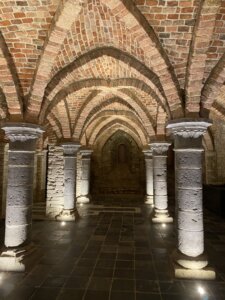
84,196
149,176
69,212
161,214
190,258
22,143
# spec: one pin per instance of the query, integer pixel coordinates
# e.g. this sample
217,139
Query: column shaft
69,181
190,259
161,214
22,143
189,202
19,197
160,183
84,196
69,211
149,177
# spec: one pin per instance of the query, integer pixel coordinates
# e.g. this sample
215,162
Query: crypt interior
112,149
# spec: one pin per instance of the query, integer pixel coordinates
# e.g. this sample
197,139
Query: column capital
85,152
70,148
147,153
189,128
160,148
22,132
188,133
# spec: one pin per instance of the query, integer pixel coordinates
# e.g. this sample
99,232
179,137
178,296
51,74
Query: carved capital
22,132
148,153
70,149
160,148
188,132
86,153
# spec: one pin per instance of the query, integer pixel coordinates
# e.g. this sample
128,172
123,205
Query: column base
206,273
192,267
67,215
83,199
189,262
15,259
149,199
161,216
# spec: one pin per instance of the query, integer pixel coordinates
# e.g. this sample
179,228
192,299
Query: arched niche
118,169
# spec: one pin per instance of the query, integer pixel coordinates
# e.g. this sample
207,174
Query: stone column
84,196
160,214
22,143
149,176
41,174
3,175
69,212
190,258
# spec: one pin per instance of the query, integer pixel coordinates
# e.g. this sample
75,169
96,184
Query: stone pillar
149,176
22,143
41,174
190,259
84,196
3,175
160,214
69,212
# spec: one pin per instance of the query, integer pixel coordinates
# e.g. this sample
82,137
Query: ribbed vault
70,65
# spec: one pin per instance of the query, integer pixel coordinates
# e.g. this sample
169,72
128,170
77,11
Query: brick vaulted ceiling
82,67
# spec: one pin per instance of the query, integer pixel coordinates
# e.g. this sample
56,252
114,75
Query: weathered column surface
149,176
161,214
22,143
69,212
41,173
190,258
84,196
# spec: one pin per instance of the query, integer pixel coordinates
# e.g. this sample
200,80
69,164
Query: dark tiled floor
112,256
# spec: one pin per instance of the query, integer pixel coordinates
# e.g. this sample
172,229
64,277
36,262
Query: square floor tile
123,285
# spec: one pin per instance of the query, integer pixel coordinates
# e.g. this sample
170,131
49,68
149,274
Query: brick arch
206,18
51,135
212,87
116,111
155,111
102,139
56,125
137,23
116,106
101,124
99,83
9,82
156,57
61,113
65,15
118,54
105,115
208,141
4,114
90,108
137,37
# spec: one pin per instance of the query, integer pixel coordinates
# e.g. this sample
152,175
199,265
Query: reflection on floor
114,253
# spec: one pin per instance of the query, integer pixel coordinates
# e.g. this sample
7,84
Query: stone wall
118,175
210,167
215,160
55,181
3,176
